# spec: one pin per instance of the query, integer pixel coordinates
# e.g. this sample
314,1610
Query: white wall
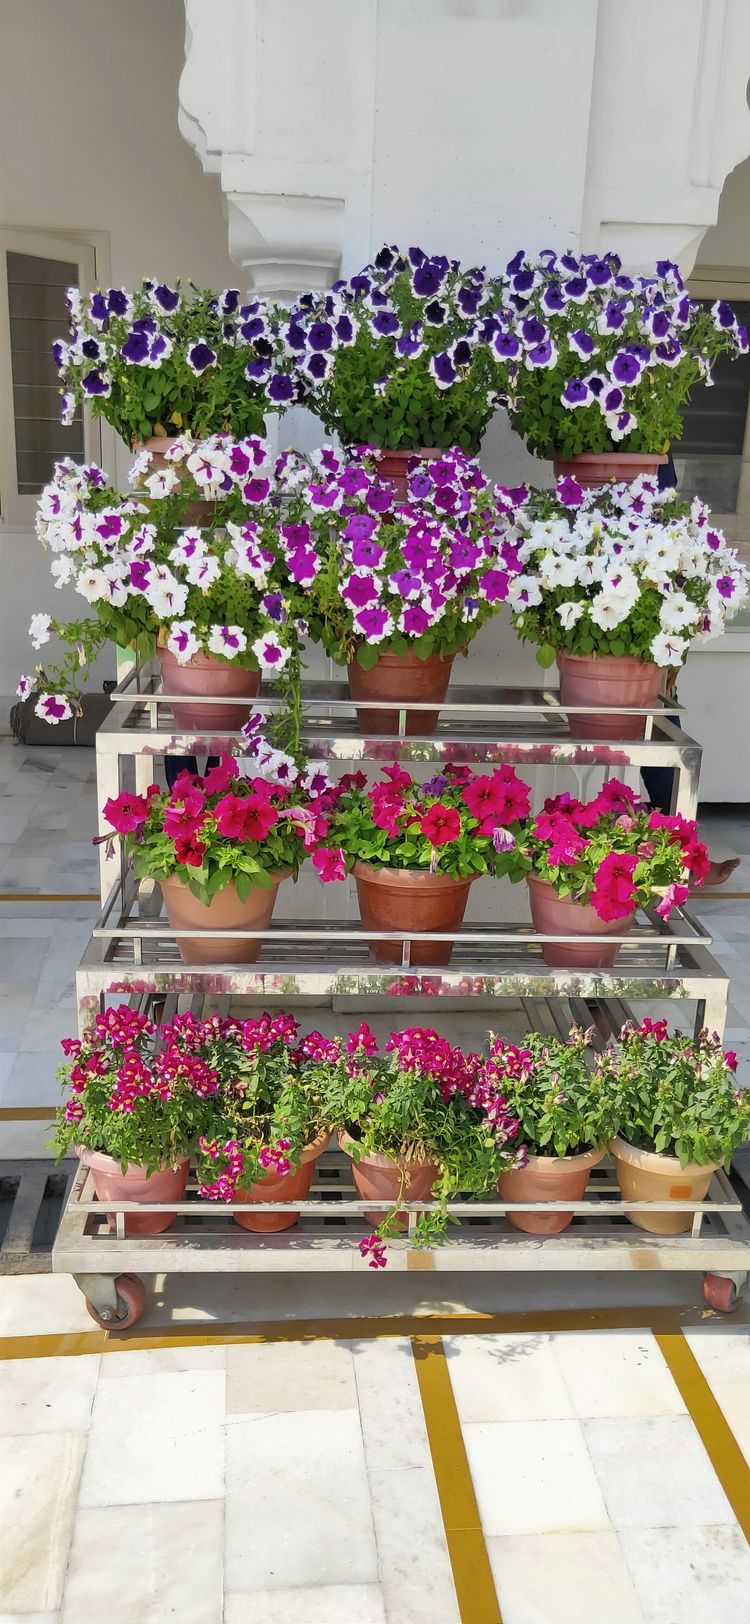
89,141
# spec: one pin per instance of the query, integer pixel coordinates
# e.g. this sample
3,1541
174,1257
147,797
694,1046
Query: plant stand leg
114,1301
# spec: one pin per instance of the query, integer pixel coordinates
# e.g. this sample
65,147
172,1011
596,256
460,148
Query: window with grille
35,272
708,458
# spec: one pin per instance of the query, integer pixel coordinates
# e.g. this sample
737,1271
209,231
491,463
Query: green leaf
367,656
545,656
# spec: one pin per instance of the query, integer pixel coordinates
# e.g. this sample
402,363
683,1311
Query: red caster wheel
131,1301
720,1293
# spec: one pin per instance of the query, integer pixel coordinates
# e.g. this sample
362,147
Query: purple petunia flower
614,316
414,620
320,336
494,586
99,309
95,383
367,555
360,527
136,348
443,370
372,622
140,571
505,345
576,289
386,323
253,328
469,300
726,586
599,273
576,393
380,498
723,314
200,356
533,331
167,298
625,368
612,400
569,492
542,355
582,342
361,590
318,366
428,279
411,343
118,302
303,565
435,313
280,388
345,330
553,297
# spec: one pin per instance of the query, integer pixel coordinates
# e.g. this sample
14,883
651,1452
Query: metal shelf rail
134,954
479,726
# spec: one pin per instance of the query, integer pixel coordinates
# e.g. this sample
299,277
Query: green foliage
677,1096
563,1106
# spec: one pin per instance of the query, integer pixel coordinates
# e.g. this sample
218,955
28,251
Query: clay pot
605,680
204,674
404,677
645,1176
135,1184
224,912
376,1175
593,468
561,916
547,1178
156,445
281,1186
410,899
393,466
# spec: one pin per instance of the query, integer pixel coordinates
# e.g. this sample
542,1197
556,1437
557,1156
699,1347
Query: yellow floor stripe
28,1113
717,1438
472,1574
211,1333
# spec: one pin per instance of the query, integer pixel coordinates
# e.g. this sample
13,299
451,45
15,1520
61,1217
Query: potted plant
218,602
616,584
566,1113
219,846
268,1128
133,1112
405,355
682,1115
164,361
415,849
605,362
404,583
589,865
418,1126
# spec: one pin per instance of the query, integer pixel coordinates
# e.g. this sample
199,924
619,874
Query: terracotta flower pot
561,916
135,1184
376,1175
224,912
156,445
400,676
279,1187
410,899
547,1178
645,1176
592,468
590,679
204,674
392,466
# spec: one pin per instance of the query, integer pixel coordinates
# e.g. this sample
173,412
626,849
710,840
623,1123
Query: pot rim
657,1161
629,458
310,1153
100,1162
202,661
410,876
543,1164
376,1159
618,661
174,879
410,658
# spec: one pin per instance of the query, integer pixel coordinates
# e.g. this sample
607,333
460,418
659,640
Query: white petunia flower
677,611
40,629
182,641
666,649
227,641
162,483
569,613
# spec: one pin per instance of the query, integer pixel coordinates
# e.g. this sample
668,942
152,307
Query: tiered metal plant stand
133,955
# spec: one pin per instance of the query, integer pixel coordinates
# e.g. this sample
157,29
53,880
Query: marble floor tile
415,1572
616,1373
299,1483
32,1080
533,1477
47,1395
309,1604
285,1376
507,1378
29,1618
655,1473
722,1353
145,1564
390,1406
734,1402
563,1579
161,1362
39,1479
176,1452
699,1574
